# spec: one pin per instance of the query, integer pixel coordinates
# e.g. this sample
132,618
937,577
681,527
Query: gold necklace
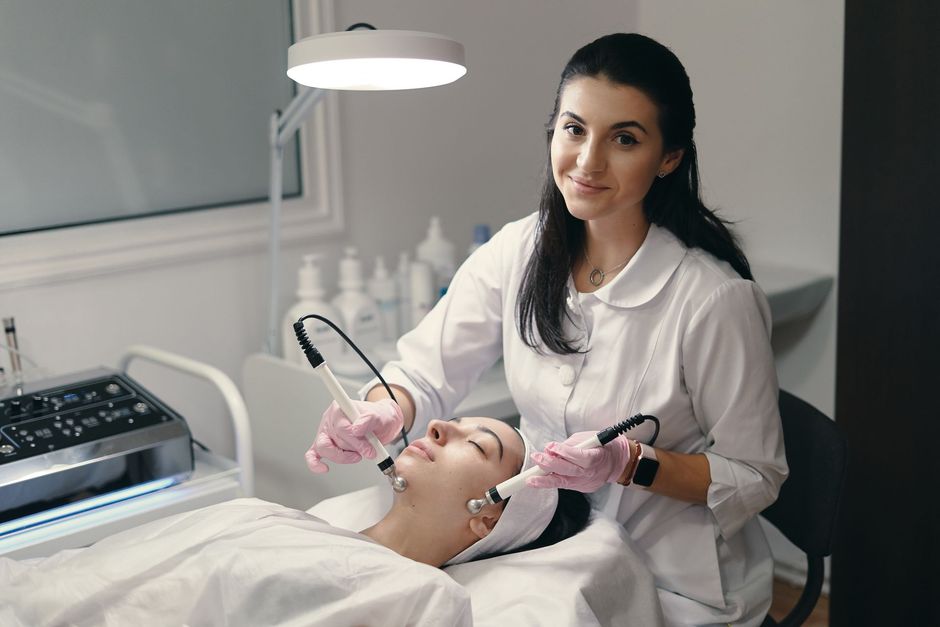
597,275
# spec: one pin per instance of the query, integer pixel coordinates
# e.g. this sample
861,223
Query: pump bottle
439,253
310,295
359,314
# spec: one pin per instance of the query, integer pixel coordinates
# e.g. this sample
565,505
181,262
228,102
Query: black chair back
806,509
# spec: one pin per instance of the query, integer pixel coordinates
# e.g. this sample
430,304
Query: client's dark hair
571,517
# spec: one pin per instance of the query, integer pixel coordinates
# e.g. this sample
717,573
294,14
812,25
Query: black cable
621,427
200,445
361,26
308,347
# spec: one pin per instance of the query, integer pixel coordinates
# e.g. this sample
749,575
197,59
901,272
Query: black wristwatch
646,466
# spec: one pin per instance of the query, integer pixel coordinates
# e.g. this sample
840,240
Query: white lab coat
677,334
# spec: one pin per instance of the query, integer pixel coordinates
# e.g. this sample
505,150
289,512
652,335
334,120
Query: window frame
78,252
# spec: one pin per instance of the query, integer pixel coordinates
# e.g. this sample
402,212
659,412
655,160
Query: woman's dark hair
570,517
672,202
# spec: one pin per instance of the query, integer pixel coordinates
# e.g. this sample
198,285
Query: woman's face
606,148
459,460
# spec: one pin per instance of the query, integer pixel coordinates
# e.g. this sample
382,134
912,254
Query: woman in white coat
623,294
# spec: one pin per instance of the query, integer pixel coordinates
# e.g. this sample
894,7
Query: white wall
767,79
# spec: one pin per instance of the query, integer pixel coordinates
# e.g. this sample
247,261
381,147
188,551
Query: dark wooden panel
886,565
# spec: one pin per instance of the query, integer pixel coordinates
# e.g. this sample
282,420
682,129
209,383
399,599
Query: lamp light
358,60
365,60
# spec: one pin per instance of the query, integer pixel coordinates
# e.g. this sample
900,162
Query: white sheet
243,562
593,578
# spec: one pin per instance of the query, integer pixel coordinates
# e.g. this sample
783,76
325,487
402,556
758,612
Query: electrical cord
621,427
304,341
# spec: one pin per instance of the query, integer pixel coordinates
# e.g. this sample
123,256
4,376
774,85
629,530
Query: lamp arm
281,128
292,117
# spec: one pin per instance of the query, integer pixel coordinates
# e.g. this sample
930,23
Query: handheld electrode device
385,463
512,485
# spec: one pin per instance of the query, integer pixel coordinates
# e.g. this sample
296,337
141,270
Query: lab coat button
566,375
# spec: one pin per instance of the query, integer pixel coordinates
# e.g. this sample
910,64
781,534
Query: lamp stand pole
282,127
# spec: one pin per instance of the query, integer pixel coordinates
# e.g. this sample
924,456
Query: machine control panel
57,418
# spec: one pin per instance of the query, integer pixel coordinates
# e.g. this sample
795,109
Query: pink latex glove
584,470
344,442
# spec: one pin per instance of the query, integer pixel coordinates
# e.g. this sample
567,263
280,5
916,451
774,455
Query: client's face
456,461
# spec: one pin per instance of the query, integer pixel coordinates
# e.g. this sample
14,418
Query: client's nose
439,431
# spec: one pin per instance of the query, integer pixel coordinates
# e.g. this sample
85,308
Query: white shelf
794,293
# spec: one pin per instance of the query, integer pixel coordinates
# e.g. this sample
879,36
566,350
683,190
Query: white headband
524,518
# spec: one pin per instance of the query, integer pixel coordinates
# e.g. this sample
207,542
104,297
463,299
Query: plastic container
360,317
439,253
310,295
423,294
481,235
383,289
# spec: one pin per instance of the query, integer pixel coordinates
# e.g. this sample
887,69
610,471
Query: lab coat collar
647,273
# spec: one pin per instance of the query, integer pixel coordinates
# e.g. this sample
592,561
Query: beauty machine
94,432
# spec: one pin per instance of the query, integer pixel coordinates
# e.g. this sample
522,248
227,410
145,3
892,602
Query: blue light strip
84,505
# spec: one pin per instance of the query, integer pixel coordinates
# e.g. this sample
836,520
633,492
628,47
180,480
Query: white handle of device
345,403
512,485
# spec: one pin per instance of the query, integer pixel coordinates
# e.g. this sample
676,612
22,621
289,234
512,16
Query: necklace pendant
597,277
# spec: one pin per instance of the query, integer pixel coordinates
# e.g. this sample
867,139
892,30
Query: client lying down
250,562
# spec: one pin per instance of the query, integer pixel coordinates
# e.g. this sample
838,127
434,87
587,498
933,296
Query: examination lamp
359,59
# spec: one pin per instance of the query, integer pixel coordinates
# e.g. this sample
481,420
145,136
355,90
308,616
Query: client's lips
423,449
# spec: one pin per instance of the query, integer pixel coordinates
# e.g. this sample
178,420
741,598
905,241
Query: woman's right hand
345,442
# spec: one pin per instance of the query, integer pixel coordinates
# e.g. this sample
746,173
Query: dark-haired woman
622,294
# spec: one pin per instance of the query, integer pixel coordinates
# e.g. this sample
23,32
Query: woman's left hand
581,469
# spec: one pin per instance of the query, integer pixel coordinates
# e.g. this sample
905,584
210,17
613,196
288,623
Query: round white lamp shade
369,60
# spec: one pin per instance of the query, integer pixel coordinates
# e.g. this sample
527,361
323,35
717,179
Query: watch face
645,471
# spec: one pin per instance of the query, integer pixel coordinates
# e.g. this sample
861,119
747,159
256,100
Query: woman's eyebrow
619,125
499,442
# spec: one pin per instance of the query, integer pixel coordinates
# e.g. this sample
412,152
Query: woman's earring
661,175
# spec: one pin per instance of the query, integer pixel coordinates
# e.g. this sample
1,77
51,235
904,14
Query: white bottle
439,253
403,277
359,314
383,289
310,293
423,295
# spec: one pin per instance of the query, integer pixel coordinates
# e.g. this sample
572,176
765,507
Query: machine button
69,422
140,408
66,432
566,375
5,449
57,424
29,438
112,388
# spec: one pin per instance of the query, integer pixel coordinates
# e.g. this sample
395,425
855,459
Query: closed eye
482,452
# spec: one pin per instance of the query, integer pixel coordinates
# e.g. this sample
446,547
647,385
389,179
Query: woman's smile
585,187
